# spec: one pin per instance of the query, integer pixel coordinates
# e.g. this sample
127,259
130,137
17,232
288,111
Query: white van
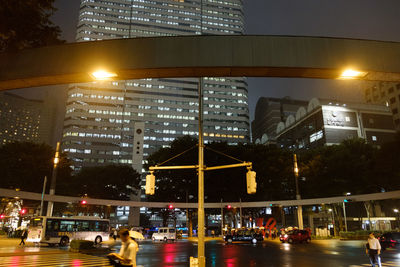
164,234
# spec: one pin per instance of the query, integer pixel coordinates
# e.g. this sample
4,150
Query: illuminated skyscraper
125,121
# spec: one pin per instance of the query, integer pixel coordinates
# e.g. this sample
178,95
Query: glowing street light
103,75
349,74
396,210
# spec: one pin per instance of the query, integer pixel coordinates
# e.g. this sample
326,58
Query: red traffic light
2,216
229,206
83,202
23,211
170,206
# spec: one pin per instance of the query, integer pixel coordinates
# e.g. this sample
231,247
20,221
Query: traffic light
23,211
170,207
2,216
83,202
251,182
150,183
229,207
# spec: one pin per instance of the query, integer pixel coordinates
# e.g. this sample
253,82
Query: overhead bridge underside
201,56
181,205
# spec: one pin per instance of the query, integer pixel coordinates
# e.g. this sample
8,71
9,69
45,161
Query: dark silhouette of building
269,112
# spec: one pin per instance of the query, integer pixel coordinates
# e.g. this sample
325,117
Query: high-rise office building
26,120
125,121
385,93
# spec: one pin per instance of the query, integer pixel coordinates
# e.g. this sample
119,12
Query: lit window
374,138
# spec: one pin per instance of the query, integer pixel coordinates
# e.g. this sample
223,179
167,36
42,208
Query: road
269,253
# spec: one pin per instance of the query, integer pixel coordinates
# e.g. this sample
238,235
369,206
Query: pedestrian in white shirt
374,250
127,255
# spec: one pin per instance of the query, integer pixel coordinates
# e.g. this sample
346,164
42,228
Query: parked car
164,234
390,240
245,235
296,236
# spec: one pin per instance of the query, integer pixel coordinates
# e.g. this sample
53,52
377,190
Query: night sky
363,19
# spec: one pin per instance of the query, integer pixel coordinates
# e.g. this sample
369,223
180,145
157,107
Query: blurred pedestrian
127,255
24,235
115,234
373,250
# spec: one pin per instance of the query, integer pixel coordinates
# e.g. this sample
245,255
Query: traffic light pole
200,223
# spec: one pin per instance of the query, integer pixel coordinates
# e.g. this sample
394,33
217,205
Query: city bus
58,230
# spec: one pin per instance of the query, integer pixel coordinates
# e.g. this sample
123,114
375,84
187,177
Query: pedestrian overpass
184,205
202,56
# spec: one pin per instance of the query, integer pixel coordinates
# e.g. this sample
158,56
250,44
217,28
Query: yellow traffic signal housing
251,182
150,184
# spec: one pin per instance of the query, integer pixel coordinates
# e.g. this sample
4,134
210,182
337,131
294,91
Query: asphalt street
324,253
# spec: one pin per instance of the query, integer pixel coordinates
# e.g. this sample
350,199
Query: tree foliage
107,182
353,166
272,165
26,24
24,165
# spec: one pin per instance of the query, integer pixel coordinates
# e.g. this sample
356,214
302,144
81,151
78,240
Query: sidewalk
10,247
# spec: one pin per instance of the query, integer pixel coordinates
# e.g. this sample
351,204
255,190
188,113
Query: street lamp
298,197
398,217
333,221
103,75
56,160
351,74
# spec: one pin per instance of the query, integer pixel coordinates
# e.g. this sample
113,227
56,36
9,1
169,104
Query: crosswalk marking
47,260
388,263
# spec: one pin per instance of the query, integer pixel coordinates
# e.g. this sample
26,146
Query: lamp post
56,160
298,197
42,199
344,210
333,221
398,217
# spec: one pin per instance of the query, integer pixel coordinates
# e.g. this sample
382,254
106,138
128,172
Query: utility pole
200,223
298,197
43,192
50,204
241,215
222,219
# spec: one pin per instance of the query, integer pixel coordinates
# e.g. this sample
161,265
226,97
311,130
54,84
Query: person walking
24,235
115,234
127,255
373,250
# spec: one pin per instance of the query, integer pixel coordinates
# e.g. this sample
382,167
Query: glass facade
100,118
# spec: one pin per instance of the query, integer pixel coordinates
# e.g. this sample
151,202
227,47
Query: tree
23,165
107,182
273,166
387,167
26,24
175,185
336,170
